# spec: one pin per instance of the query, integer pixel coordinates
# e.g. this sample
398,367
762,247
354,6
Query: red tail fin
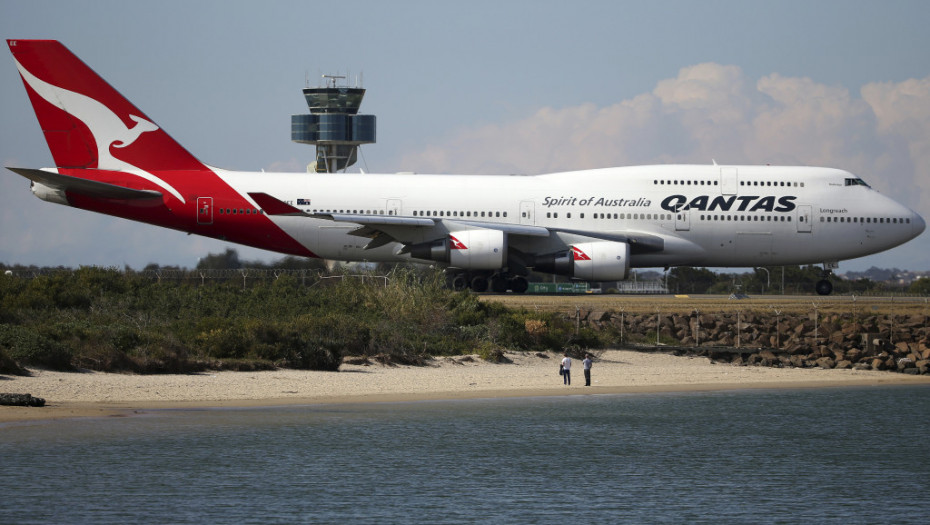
86,122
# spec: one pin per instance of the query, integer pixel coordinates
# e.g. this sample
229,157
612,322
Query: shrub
9,366
28,347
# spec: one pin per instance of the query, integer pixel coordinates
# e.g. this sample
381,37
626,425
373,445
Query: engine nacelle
49,194
467,249
589,261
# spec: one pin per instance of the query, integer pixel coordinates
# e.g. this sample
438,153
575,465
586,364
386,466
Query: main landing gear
483,281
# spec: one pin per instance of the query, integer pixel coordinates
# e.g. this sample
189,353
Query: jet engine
467,249
49,194
589,261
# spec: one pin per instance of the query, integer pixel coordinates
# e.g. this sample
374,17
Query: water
848,455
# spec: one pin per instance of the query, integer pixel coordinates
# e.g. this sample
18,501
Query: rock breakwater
898,343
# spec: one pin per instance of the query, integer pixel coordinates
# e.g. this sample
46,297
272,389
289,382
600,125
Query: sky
485,87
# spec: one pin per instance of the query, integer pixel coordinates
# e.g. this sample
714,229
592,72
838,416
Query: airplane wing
89,188
383,229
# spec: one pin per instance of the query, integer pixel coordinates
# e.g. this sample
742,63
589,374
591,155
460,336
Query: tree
228,260
685,279
920,286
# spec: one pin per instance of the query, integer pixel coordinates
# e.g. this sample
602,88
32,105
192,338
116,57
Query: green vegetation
114,320
793,280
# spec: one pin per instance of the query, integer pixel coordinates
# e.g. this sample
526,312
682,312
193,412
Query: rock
852,328
878,364
826,362
21,400
923,365
844,364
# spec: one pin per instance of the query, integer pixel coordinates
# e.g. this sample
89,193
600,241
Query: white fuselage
726,216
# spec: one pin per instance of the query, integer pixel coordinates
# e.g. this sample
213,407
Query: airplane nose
917,224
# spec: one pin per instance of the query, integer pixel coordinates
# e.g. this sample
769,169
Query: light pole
768,278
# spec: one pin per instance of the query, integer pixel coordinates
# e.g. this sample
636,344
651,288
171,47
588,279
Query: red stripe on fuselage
251,229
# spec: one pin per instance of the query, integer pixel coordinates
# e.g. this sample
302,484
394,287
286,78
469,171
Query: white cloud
710,111
902,111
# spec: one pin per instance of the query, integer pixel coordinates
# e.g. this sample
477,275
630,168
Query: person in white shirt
566,370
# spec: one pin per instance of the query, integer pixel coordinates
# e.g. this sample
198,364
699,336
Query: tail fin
86,122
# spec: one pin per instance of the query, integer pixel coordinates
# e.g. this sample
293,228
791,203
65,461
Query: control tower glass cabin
333,125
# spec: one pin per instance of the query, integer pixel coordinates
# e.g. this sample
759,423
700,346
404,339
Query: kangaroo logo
579,255
106,127
456,244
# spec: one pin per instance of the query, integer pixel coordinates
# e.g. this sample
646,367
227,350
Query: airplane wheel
459,283
823,287
479,284
519,284
498,284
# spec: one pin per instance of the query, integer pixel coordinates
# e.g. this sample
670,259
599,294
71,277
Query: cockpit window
856,182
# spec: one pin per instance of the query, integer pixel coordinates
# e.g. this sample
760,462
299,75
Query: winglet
273,206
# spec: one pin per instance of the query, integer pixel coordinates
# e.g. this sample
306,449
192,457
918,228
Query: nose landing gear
824,286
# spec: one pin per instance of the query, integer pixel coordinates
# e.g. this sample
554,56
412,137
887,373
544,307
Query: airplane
488,231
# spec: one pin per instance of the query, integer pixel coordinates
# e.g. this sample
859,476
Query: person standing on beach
566,370
586,364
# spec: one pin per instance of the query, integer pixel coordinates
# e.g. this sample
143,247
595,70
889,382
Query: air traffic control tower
333,125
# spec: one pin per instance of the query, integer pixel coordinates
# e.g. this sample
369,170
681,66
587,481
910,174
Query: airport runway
846,304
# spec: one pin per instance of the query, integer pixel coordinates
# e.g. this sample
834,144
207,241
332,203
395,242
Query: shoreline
95,394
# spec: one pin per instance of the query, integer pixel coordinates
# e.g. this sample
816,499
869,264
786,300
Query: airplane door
683,220
804,218
527,209
204,210
728,181
393,207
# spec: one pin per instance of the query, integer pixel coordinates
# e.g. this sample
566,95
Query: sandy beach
93,394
